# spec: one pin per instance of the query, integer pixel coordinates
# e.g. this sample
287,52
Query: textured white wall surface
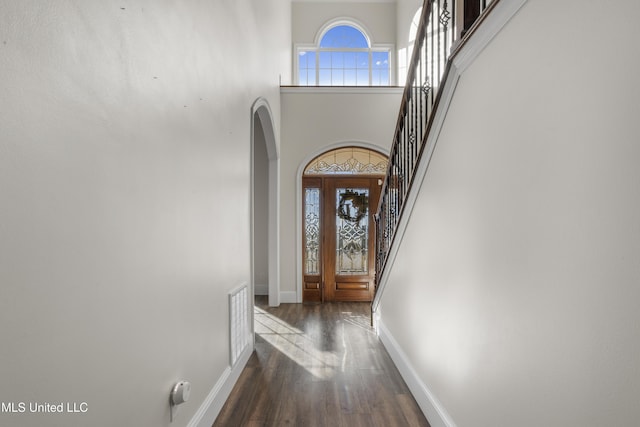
309,17
514,294
124,209
405,12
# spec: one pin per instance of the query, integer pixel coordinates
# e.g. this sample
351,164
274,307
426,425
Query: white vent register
239,332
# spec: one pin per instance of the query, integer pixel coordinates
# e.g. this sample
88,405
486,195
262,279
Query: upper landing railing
427,72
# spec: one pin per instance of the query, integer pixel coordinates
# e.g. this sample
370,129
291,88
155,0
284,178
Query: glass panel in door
352,231
312,246
312,231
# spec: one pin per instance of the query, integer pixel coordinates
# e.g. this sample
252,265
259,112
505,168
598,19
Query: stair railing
426,73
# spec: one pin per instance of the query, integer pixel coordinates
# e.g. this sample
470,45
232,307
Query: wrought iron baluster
416,124
434,39
406,163
407,159
429,54
445,17
453,31
420,109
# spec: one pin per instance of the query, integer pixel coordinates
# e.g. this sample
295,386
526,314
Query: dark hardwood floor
319,365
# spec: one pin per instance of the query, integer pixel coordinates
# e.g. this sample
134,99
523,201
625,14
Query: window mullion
370,68
317,67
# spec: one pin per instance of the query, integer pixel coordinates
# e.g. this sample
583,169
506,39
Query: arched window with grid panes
343,56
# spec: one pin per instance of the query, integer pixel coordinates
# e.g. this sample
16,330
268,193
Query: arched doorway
340,191
265,271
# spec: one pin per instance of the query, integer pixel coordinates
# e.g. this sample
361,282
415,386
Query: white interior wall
377,17
514,292
312,120
124,182
405,12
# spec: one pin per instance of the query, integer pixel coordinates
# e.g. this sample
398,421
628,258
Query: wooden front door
339,238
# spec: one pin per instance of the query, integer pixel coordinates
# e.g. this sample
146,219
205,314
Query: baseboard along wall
206,415
261,289
429,404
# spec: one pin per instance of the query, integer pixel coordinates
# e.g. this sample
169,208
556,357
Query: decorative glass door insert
352,231
312,231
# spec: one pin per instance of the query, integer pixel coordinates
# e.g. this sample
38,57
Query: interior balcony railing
436,40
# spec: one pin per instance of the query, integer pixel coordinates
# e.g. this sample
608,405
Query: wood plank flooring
318,365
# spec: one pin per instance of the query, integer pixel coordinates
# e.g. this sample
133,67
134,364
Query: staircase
441,52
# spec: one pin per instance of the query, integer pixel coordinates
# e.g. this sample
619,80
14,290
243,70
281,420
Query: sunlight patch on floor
293,343
358,320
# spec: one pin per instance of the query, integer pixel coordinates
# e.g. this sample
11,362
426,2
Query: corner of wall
288,297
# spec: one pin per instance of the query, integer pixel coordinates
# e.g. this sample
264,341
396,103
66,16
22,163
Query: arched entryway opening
339,192
265,274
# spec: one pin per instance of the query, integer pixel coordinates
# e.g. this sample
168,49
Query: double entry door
338,238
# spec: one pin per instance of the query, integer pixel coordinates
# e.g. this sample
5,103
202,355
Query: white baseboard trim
261,289
429,404
289,297
206,415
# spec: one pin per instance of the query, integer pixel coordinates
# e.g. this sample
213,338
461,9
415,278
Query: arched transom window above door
348,160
